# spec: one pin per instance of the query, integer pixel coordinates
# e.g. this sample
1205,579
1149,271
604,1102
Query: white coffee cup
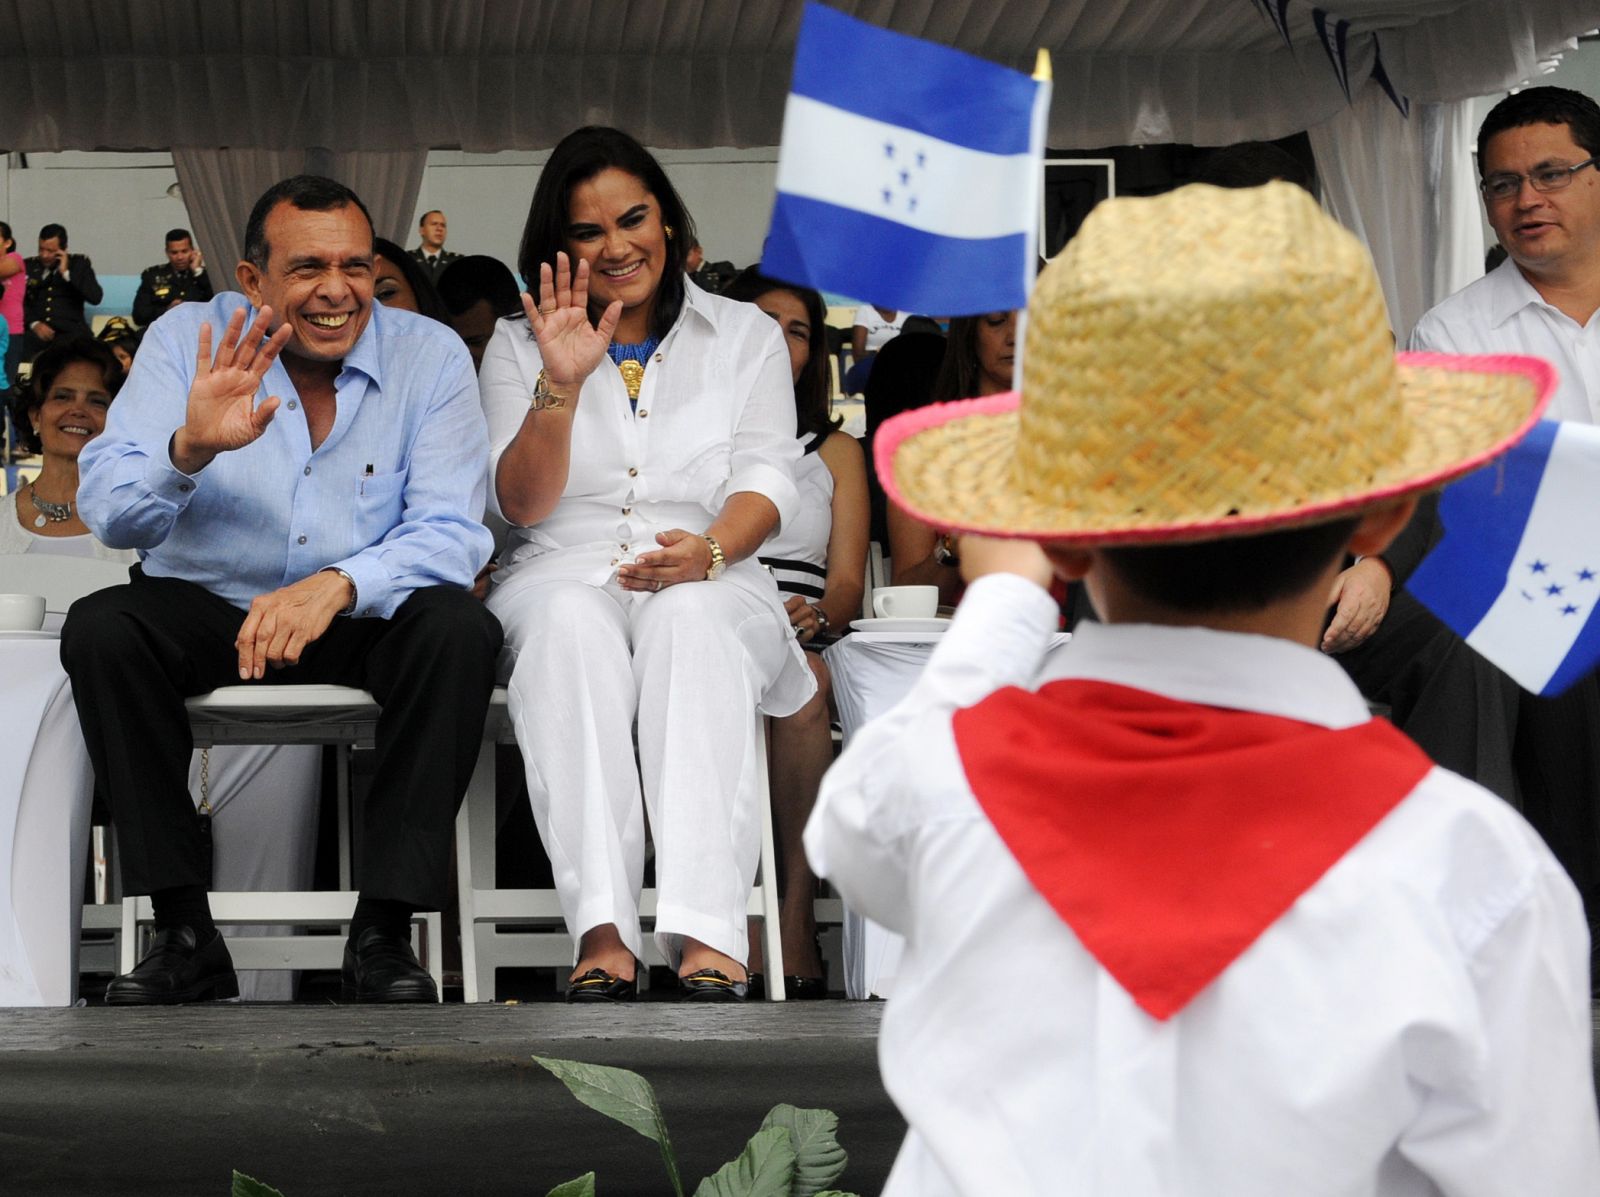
21,612
905,602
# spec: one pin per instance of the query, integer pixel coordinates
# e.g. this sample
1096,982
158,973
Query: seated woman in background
977,361
819,558
873,329
903,380
268,840
655,455
399,282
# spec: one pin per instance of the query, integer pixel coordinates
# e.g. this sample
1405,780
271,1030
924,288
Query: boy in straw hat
1182,918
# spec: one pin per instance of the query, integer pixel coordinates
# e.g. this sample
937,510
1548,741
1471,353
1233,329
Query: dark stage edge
424,1100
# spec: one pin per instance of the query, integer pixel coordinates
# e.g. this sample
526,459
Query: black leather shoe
381,967
709,985
597,985
177,970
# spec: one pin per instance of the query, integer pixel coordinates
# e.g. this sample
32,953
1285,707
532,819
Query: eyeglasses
1545,178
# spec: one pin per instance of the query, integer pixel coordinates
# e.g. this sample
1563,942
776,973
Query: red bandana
1168,835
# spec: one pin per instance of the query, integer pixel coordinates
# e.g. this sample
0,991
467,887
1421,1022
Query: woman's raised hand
570,346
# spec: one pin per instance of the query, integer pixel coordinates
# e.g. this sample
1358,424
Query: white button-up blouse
716,416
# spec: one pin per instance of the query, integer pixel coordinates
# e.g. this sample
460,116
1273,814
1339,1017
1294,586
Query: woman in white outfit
642,447
263,797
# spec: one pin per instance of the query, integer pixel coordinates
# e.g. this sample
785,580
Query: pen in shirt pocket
364,478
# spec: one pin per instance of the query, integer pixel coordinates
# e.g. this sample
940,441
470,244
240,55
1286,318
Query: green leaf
622,1095
249,1186
583,1186
819,1160
764,1169
835,1193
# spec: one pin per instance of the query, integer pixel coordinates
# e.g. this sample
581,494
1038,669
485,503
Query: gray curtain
221,186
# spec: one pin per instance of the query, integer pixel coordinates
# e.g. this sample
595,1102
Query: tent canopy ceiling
488,75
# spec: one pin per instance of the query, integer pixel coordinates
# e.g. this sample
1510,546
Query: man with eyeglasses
1540,179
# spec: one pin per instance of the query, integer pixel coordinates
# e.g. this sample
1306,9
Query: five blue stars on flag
904,174
1556,589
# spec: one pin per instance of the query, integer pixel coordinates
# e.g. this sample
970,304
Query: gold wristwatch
718,562
543,398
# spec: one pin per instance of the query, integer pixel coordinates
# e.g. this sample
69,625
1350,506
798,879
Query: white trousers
690,665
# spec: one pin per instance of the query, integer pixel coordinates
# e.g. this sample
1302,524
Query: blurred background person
431,255
477,291
398,281
13,282
180,279
59,285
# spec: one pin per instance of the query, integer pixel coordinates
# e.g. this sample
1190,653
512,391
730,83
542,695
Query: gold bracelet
543,399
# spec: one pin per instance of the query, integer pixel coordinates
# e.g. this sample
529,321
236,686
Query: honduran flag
909,172
1517,574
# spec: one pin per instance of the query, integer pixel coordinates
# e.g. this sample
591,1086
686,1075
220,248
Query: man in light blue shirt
303,475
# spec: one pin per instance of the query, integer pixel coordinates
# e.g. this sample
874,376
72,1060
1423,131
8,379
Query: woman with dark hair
61,410
122,338
398,281
655,455
978,358
820,560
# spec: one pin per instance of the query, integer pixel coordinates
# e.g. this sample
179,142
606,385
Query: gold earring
669,230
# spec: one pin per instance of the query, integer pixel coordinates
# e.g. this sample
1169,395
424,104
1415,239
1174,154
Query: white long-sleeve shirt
1416,1024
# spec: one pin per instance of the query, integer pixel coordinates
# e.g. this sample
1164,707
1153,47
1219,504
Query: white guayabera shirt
1416,1024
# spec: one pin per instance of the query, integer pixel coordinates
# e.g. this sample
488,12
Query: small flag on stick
909,172
1517,574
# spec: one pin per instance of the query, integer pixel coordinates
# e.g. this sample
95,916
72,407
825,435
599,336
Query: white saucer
27,634
900,625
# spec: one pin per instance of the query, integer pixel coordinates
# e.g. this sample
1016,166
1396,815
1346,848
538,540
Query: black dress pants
135,652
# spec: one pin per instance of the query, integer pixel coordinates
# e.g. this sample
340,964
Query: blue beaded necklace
637,355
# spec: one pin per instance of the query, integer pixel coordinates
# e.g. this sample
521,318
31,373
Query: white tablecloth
266,841
870,675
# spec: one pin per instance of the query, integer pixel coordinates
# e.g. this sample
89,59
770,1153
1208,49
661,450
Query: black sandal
597,985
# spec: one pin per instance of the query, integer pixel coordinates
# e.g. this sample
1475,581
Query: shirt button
658,357
627,511
643,413
613,561
185,487
308,471
302,540
624,548
291,405
632,472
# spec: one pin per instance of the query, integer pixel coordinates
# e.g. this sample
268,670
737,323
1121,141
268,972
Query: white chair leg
130,935
771,932
474,872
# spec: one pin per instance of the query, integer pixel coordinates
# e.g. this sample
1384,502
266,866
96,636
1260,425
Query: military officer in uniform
59,284
432,253
180,279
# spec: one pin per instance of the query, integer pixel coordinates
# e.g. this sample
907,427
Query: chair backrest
62,580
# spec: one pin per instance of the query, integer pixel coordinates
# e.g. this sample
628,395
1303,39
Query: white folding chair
306,714
484,907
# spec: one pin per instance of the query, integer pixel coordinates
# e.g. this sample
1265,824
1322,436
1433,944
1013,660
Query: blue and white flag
1517,574
910,173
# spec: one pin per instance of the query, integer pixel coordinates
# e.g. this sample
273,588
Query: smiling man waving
303,476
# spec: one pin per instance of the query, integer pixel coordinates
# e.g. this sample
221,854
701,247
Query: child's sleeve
900,772
1523,1120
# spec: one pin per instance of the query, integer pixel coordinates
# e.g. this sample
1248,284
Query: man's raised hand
222,412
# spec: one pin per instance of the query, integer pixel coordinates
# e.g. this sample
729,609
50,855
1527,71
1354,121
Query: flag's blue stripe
884,263
1484,515
916,85
1580,659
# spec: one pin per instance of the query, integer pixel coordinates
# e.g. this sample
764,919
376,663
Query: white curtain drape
221,186
1407,188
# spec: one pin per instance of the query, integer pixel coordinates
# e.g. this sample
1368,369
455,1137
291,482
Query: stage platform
326,1099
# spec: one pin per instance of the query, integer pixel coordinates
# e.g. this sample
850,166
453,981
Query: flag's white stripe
1525,638
838,157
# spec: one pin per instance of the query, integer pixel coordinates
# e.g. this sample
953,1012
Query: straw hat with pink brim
1203,364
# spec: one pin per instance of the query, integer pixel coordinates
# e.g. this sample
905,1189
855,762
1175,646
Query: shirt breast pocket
698,479
379,503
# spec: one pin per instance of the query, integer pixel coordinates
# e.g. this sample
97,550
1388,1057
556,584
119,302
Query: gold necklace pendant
632,377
